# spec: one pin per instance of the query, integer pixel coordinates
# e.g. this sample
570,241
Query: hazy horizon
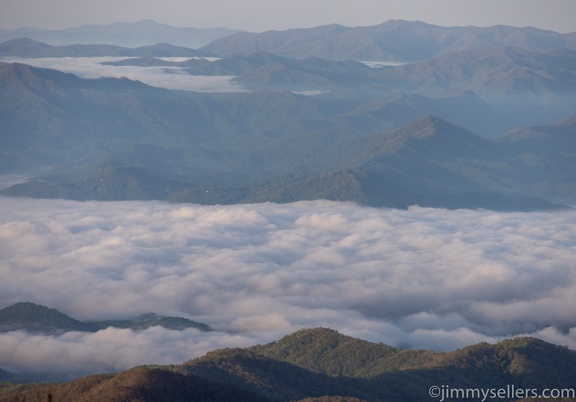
423,278
263,15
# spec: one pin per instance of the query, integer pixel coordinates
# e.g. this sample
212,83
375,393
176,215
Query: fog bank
421,278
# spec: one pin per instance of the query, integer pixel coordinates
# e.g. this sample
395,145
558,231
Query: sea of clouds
419,278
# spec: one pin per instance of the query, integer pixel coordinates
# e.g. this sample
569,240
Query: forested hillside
322,365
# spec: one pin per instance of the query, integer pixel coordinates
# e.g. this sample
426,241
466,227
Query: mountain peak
22,47
325,350
26,310
431,137
23,42
35,76
429,125
431,120
27,315
147,21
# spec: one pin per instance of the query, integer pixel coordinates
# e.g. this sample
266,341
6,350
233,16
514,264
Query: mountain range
31,317
28,48
321,364
452,117
135,34
430,132
394,40
126,140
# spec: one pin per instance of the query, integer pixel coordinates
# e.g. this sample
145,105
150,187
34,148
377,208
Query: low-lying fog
163,77
419,278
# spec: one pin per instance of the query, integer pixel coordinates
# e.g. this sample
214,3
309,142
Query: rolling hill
322,365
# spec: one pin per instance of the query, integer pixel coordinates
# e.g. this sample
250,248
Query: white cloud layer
426,278
163,77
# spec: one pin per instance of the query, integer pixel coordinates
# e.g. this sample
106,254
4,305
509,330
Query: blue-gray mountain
28,48
395,40
141,33
126,140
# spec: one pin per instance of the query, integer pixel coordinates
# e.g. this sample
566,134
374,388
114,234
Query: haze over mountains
142,33
25,47
395,40
244,206
278,146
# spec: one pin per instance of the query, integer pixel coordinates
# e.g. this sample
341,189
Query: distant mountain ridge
514,84
394,40
31,317
321,364
497,74
127,34
265,71
127,140
28,48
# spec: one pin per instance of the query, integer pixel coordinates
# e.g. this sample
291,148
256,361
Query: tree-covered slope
137,384
528,363
123,140
326,351
34,317
323,365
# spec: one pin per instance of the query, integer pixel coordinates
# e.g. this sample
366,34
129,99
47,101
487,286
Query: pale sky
261,15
